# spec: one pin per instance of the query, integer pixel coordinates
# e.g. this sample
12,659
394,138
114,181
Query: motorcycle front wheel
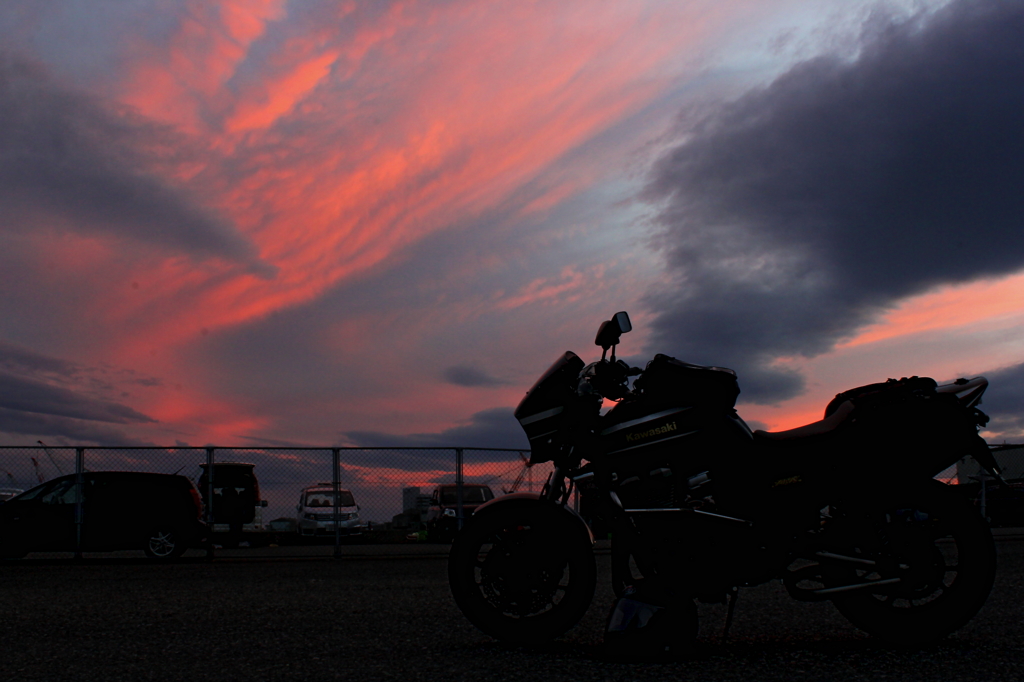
523,573
940,550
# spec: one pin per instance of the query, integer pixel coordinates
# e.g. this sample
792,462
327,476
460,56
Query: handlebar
606,379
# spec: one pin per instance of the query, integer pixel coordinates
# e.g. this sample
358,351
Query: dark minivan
158,513
236,499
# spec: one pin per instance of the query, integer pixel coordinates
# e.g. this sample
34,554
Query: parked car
442,517
316,512
158,513
8,493
237,506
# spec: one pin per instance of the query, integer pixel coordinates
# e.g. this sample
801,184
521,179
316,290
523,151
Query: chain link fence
303,500
299,498
1002,505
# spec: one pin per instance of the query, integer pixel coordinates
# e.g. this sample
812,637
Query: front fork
555,488
626,541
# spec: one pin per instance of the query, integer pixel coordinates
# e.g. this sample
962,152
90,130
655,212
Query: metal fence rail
391,487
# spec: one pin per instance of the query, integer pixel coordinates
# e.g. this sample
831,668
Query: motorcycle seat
818,428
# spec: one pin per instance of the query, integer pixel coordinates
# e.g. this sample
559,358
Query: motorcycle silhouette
845,509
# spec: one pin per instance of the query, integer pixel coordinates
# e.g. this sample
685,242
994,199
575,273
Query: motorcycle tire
523,573
941,549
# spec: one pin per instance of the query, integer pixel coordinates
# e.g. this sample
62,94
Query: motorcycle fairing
541,412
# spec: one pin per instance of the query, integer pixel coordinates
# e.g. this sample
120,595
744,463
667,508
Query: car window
34,493
470,495
108,490
476,495
65,492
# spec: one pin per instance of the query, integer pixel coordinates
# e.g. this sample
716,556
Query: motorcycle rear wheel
523,574
939,547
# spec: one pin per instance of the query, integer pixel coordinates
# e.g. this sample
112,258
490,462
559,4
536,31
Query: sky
316,222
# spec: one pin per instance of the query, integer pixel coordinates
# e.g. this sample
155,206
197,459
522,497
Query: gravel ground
393,618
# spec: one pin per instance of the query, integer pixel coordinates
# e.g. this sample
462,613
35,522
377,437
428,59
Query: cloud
68,161
27,395
793,216
17,359
494,428
72,431
333,135
1004,403
462,375
43,396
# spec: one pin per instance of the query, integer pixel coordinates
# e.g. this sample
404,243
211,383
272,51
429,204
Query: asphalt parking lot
387,614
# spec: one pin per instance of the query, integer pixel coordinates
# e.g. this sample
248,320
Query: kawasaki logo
640,435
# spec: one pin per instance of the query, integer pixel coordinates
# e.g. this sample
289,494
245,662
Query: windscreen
326,499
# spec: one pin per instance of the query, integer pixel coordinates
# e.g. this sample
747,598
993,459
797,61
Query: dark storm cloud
1004,403
494,428
43,396
15,358
29,395
462,375
65,429
64,158
795,214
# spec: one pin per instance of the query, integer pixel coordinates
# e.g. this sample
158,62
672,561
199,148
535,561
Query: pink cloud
336,138
458,109
978,303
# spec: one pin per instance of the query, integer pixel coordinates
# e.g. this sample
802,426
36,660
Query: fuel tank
678,422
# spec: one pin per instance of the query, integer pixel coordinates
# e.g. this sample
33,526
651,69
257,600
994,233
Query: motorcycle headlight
449,512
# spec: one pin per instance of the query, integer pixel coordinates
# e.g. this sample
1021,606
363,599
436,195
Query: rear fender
533,501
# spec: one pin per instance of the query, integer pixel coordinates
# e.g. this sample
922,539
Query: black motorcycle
845,509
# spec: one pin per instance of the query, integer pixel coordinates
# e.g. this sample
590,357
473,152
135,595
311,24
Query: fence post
79,497
458,488
335,465
209,501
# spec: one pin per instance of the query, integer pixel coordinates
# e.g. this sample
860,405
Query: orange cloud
478,114
982,303
282,95
335,137
180,81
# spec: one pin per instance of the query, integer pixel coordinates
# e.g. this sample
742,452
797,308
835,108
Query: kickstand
728,614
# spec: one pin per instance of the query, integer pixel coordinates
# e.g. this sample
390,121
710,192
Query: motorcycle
845,509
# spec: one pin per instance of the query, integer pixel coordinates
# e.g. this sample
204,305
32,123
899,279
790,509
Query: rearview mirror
610,331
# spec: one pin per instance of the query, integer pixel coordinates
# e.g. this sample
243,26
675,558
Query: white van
316,512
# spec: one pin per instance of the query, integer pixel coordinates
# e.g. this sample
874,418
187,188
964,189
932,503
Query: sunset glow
262,219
